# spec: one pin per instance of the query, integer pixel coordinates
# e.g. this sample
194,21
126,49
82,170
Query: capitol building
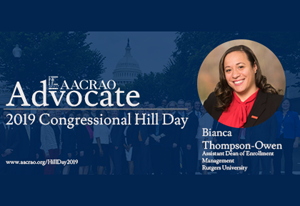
127,68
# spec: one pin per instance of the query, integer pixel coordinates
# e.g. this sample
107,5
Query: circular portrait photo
241,83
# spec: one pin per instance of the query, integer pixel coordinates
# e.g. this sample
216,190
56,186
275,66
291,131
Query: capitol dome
127,68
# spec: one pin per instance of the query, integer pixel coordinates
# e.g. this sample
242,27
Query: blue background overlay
225,22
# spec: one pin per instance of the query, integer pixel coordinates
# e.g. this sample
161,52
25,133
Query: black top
132,134
84,142
68,139
263,108
117,136
57,134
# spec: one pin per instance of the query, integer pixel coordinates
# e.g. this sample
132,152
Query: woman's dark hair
224,92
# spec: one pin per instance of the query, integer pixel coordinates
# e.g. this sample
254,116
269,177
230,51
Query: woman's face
239,73
286,105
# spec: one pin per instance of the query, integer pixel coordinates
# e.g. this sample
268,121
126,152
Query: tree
151,87
62,54
184,64
285,45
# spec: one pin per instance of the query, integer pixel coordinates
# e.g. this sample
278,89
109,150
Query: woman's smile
238,82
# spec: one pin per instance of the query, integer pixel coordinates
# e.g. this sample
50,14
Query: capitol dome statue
127,68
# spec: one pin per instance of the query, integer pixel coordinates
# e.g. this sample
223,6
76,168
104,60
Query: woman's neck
244,96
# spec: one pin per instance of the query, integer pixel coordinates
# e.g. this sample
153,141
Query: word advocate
91,85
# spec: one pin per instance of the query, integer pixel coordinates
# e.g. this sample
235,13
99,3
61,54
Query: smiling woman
242,97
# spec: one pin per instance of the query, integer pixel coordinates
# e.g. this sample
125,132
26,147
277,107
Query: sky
151,50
